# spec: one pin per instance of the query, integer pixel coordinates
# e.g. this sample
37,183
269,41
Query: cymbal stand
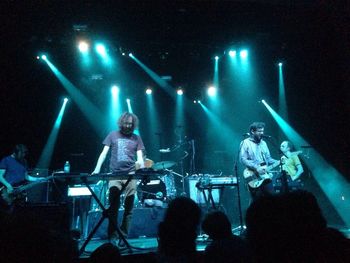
182,179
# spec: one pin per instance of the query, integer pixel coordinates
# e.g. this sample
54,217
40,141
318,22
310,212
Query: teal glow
243,53
44,57
115,90
128,102
216,73
90,111
282,107
232,53
101,49
161,82
148,91
46,154
180,92
280,64
216,57
217,124
153,129
115,109
83,47
212,91
179,112
333,184
129,105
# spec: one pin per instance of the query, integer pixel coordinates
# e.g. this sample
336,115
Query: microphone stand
238,188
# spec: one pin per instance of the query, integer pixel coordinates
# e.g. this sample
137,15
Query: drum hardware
163,165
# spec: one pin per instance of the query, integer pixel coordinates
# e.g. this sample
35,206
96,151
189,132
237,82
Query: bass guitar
255,180
17,192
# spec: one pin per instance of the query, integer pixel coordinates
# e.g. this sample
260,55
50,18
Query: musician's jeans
114,204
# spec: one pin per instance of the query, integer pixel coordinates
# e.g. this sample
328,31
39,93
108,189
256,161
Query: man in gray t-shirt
126,148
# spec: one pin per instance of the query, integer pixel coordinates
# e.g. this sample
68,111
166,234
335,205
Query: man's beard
126,131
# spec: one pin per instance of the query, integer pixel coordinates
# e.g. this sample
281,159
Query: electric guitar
17,192
256,180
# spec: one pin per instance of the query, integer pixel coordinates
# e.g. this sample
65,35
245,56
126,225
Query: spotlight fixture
232,53
83,46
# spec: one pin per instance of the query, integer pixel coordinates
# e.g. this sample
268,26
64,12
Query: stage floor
142,245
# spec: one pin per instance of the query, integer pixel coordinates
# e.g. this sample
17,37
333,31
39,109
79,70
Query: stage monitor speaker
144,222
55,216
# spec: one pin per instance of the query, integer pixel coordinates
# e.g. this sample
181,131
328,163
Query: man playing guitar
13,173
255,155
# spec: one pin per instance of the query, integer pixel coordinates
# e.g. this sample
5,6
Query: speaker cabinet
144,222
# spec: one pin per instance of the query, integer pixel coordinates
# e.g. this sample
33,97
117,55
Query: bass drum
155,190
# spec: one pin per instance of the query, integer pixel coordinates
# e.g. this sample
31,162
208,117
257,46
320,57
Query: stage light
194,101
114,90
216,57
37,57
148,91
263,101
199,102
128,100
232,53
179,92
212,91
65,100
131,55
43,57
280,64
101,49
243,53
83,46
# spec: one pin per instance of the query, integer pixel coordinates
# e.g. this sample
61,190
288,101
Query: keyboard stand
105,214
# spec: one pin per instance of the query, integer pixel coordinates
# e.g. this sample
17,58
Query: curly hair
125,116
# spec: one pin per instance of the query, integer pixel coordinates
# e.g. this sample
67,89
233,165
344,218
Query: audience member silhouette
178,231
225,246
291,228
106,253
25,237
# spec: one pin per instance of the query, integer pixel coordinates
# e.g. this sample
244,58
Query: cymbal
163,165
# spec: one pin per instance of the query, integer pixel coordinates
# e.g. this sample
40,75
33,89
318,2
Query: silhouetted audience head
105,253
216,225
225,247
178,231
290,227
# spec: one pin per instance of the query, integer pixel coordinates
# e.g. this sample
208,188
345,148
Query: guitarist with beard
255,155
13,172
